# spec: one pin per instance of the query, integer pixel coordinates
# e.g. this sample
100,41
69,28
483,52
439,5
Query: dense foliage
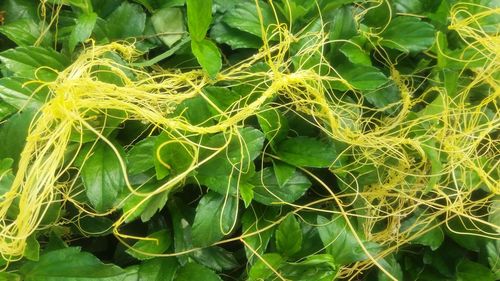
249,140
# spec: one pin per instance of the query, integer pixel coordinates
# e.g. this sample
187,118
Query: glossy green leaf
268,191
261,270
208,56
15,128
289,236
141,157
194,271
343,24
83,29
361,77
307,152
156,243
169,23
273,124
158,269
25,32
17,93
244,17
26,61
171,157
216,258
408,34
257,220
224,34
215,217
102,176
339,240
70,264
128,20
222,172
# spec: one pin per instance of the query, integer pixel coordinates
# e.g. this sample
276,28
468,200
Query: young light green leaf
102,176
289,236
208,56
199,13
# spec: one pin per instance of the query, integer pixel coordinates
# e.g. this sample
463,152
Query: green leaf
283,172
208,56
289,236
356,54
255,219
128,20
159,243
216,258
102,176
194,271
408,34
6,110
273,124
343,25
149,207
224,34
141,157
361,77
171,157
267,190
245,17
15,128
339,240
392,266
472,271
83,29
26,61
169,23
70,264
261,270
319,267
246,192
234,164
307,152
199,13
16,92
215,217
493,252
7,276
32,250
95,226
158,269
25,32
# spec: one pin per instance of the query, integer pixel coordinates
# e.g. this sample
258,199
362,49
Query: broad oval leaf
199,13
194,271
208,56
408,34
102,176
215,216
70,264
157,243
307,152
289,236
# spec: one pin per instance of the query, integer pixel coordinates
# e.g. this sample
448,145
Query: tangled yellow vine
408,144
